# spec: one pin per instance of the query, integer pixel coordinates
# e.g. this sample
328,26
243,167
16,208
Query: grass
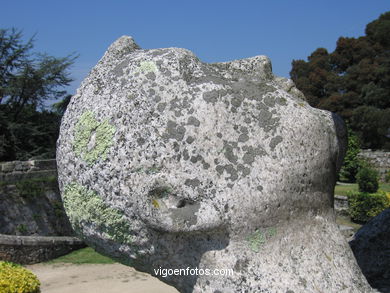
83,256
343,189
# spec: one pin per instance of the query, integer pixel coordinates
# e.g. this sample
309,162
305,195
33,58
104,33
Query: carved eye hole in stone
163,197
183,202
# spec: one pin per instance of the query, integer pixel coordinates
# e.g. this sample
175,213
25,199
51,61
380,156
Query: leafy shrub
387,177
367,180
364,206
16,279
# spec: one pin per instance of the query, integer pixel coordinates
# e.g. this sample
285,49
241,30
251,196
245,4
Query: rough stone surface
371,246
207,166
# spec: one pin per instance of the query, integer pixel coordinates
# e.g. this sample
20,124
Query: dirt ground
96,278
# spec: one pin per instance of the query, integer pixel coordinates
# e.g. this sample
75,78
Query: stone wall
380,160
30,202
341,205
32,214
18,170
34,249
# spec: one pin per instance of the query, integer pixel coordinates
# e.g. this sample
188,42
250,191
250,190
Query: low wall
34,249
33,223
341,205
18,170
380,160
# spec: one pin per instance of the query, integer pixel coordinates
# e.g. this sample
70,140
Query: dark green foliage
27,81
379,30
58,208
363,206
61,106
32,136
353,81
387,177
367,180
7,151
351,161
26,78
373,125
21,228
12,54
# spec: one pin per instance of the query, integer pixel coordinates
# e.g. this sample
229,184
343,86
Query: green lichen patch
92,139
271,231
85,207
147,66
258,238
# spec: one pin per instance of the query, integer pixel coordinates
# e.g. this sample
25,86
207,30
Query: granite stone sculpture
371,247
166,162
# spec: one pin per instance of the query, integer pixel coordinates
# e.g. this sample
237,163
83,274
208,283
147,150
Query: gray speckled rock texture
371,246
168,162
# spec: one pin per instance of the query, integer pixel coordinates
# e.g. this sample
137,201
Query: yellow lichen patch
155,203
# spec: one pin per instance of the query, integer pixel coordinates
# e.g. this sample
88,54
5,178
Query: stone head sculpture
166,162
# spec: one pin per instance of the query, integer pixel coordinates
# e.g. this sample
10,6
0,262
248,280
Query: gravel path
96,278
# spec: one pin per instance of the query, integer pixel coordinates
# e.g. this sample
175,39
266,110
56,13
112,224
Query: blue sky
214,30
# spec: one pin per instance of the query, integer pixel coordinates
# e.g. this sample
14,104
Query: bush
16,279
367,180
387,177
364,206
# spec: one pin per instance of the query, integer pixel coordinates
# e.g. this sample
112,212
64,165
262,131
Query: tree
32,136
352,163
60,107
27,78
27,82
353,81
12,53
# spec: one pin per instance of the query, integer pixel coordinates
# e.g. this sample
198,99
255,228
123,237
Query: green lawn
343,189
83,256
